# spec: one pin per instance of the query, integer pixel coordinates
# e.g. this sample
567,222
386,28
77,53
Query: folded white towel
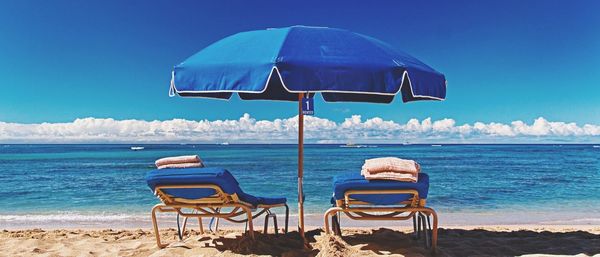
390,164
193,159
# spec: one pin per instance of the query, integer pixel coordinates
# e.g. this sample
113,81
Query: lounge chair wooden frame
359,210
210,206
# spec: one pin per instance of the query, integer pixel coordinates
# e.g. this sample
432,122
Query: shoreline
99,220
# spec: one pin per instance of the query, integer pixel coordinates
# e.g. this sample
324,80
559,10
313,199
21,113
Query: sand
454,241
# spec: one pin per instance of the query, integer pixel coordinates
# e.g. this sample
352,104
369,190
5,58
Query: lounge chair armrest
219,197
414,193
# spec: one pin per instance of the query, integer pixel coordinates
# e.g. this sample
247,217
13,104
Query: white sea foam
74,220
66,217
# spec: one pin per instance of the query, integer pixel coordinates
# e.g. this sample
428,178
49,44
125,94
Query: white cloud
247,129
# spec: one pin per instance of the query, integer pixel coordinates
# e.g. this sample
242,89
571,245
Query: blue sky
504,60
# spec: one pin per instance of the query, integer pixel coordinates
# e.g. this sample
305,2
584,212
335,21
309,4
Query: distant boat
137,148
224,143
351,145
406,143
436,145
596,146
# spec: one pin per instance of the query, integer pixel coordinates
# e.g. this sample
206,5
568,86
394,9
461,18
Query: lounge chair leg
185,221
415,229
335,224
287,217
184,227
434,229
250,226
179,234
429,230
201,227
212,220
328,213
274,216
326,222
426,234
181,229
275,224
155,226
418,225
266,222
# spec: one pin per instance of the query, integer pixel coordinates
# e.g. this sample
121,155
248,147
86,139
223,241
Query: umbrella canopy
295,62
277,64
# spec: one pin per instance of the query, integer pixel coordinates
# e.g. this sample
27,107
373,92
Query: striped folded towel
185,161
180,166
391,168
393,176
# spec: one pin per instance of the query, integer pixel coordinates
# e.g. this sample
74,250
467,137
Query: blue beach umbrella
296,63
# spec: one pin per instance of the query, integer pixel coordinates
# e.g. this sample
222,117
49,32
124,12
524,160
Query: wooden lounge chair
361,199
208,192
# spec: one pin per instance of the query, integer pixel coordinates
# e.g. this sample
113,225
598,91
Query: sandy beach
506,240
307,128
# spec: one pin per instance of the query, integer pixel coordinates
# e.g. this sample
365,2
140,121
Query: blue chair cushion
354,181
190,176
271,200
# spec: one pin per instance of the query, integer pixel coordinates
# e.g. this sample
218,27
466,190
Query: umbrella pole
300,167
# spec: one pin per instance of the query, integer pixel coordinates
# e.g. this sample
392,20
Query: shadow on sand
289,244
478,242
452,242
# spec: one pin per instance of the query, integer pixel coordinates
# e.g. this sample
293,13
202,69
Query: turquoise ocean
101,184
